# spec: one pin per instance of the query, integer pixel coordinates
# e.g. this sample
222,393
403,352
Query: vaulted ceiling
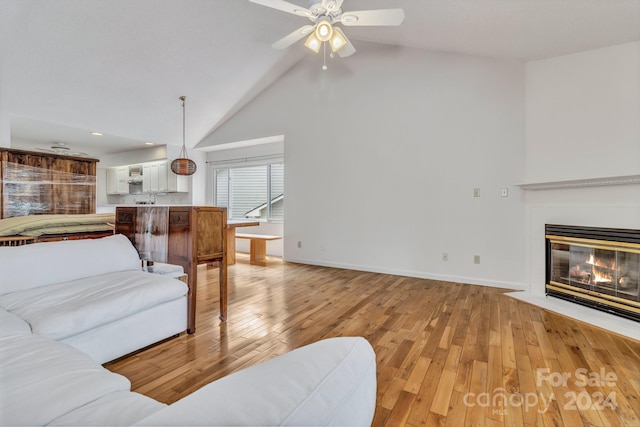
69,67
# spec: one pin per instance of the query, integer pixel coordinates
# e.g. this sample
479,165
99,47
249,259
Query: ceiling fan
324,14
63,149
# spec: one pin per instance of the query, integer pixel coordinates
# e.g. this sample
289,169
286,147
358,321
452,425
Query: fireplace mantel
589,182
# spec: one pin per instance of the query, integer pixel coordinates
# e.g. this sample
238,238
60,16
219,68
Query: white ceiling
68,67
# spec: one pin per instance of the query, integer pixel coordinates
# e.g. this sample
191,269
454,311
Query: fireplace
596,267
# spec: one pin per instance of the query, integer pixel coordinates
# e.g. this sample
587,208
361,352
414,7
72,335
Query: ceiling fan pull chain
324,54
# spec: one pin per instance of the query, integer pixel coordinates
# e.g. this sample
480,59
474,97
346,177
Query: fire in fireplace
597,267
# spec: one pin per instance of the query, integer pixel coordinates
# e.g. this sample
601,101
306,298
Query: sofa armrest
329,383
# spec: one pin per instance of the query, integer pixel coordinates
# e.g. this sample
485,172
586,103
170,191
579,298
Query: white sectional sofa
91,294
50,359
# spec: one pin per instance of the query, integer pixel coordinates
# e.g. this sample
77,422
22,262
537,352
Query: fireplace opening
596,267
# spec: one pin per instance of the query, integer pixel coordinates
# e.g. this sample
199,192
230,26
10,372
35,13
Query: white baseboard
418,274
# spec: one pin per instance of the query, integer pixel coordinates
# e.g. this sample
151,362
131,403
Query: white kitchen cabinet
146,178
118,180
153,178
112,181
158,178
150,183
162,177
123,180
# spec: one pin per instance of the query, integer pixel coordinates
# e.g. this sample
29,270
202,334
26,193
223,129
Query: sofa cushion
66,309
331,382
121,408
43,264
42,379
10,325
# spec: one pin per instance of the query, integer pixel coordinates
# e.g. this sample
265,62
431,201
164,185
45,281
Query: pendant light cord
183,152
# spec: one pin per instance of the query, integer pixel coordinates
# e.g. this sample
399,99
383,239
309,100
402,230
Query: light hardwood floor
448,354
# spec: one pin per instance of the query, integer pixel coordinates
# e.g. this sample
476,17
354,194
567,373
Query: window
254,192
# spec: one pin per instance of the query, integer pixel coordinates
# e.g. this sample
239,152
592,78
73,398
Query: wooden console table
182,235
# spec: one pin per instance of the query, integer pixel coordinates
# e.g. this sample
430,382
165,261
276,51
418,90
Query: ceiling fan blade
293,37
347,49
373,17
285,6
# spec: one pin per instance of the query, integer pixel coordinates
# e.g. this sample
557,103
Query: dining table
232,224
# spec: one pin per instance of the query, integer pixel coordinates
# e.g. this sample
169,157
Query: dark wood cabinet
181,235
33,183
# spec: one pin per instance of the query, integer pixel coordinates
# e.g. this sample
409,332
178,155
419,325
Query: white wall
197,195
5,124
383,152
583,115
5,129
583,121
133,157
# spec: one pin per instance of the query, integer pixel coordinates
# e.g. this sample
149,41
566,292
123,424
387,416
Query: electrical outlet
504,192
299,243
476,259
445,256
476,192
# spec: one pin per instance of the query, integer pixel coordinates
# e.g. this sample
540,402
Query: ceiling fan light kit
62,149
324,30
183,165
338,41
326,33
313,43
324,15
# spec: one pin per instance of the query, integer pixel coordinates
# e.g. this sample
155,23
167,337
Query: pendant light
183,165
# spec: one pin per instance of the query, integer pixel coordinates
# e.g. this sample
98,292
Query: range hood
135,180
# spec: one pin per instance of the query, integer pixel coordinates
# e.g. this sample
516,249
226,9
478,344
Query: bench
258,251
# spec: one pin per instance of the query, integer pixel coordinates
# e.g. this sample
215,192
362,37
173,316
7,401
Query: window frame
271,160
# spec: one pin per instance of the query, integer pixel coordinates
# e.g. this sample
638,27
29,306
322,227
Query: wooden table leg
231,246
191,298
223,290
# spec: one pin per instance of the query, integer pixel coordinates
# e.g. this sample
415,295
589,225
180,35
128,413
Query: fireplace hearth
596,267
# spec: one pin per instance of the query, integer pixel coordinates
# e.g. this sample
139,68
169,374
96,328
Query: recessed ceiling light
96,134
149,143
